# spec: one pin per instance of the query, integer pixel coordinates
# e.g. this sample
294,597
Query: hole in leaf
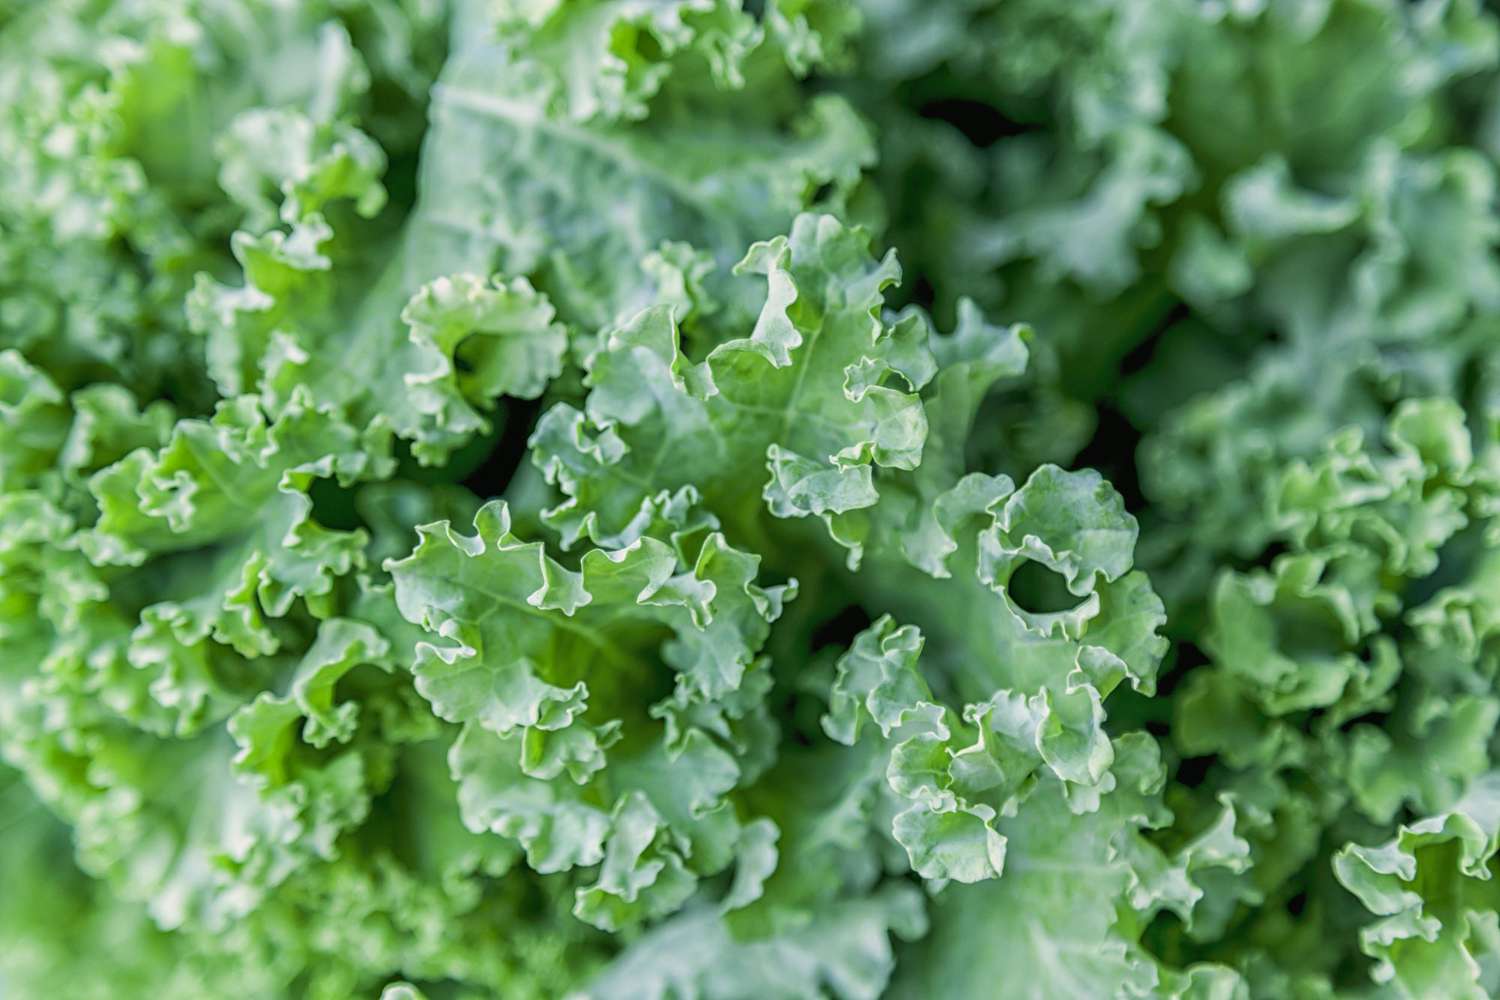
333,505
1035,588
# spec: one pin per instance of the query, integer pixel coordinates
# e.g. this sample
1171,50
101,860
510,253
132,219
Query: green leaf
1433,889
820,393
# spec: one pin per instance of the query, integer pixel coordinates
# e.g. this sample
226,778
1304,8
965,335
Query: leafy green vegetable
536,498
